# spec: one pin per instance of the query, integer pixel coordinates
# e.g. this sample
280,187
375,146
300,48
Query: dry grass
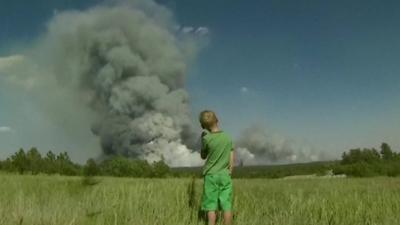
56,200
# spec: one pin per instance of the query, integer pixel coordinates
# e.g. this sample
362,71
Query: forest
359,162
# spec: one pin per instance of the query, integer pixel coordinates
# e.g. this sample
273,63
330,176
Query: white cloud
187,30
5,129
244,89
10,61
18,70
202,31
197,31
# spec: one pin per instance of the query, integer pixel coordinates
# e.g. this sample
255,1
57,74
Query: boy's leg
210,199
212,217
225,198
227,217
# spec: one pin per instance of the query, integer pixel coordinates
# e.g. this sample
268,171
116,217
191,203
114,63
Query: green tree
358,155
91,168
118,166
387,153
20,161
371,155
123,167
49,163
8,165
65,166
353,156
160,169
34,160
141,168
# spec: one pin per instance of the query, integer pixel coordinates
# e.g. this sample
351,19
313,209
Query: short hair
207,119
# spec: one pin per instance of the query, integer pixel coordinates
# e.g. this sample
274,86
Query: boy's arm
232,161
203,152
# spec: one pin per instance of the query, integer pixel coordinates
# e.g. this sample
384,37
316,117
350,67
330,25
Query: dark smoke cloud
119,71
131,68
125,63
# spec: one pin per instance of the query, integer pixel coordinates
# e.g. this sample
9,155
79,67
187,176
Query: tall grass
57,200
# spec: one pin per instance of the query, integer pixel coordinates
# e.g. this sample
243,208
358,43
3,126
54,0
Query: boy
217,149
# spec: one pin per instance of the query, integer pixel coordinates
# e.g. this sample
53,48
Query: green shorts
217,193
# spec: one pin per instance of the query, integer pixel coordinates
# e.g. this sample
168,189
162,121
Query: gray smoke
126,63
258,146
119,71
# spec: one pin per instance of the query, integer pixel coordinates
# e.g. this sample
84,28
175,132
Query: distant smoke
126,64
257,146
119,71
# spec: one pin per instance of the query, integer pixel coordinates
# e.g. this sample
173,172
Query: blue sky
325,72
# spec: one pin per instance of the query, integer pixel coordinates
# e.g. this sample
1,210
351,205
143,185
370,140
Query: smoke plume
118,71
258,146
125,63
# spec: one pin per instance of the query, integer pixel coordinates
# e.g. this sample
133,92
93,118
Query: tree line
358,162
32,162
369,162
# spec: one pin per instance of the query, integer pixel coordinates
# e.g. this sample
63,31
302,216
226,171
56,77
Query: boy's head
208,119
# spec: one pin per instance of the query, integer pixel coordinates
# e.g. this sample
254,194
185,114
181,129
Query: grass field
56,200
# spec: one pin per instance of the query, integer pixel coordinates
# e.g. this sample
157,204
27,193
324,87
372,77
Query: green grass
57,200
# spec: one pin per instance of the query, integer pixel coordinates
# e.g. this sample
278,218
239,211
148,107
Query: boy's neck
214,129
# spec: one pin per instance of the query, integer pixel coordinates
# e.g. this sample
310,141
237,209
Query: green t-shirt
218,147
